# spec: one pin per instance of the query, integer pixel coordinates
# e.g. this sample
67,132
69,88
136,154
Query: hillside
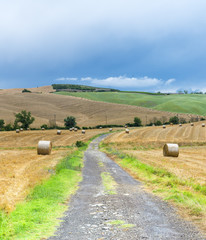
45,107
189,103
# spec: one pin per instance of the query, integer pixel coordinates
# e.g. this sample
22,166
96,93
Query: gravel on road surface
128,213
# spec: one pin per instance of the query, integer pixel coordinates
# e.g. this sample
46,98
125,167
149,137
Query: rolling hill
46,106
187,103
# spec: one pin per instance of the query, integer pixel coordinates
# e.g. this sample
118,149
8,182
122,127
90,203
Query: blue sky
147,45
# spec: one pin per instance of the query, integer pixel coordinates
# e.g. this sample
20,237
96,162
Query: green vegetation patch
120,224
185,193
184,103
109,183
36,217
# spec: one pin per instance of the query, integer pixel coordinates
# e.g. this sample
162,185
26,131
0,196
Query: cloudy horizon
133,45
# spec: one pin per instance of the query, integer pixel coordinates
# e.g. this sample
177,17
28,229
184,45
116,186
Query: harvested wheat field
46,106
20,166
146,145
157,135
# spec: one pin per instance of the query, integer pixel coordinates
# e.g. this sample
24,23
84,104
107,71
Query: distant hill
80,88
180,103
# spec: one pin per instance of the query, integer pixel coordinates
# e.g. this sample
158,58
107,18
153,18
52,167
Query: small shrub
80,144
26,90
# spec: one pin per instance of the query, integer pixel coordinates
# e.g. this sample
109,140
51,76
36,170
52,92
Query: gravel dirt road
129,213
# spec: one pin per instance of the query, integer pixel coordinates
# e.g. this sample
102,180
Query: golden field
20,166
146,145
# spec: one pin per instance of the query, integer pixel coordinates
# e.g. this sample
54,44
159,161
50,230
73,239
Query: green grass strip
185,193
109,183
36,217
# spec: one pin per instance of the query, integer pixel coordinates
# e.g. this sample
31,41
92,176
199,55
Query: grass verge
109,183
36,217
188,195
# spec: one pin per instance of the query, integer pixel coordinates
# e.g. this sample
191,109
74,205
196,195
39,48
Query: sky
139,45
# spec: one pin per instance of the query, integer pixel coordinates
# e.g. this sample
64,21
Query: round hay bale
59,132
110,129
83,131
44,147
17,131
75,129
203,124
21,129
125,126
180,125
171,150
192,124
100,127
127,130
163,126
70,129
42,129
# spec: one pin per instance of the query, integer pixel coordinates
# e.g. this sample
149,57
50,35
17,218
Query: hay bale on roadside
203,124
163,126
83,131
17,131
59,132
127,130
171,150
44,147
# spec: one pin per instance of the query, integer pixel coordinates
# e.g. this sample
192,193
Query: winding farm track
92,209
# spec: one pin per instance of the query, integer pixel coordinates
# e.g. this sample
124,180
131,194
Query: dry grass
20,166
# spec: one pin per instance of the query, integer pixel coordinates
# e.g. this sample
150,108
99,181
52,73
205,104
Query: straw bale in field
44,147
163,126
203,124
110,129
192,124
59,132
127,130
171,150
17,131
21,129
83,131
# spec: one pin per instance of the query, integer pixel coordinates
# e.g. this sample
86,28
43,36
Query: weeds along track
20,166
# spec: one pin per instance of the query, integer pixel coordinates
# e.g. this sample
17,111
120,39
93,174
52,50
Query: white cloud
66,79
123,81
169,81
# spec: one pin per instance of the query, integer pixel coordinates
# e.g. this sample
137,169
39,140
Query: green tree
70,122
174,120
137,122
2,123
24,118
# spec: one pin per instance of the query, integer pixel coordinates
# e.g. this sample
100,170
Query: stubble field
20,166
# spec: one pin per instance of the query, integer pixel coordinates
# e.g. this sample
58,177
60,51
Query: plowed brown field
20,166
46,106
